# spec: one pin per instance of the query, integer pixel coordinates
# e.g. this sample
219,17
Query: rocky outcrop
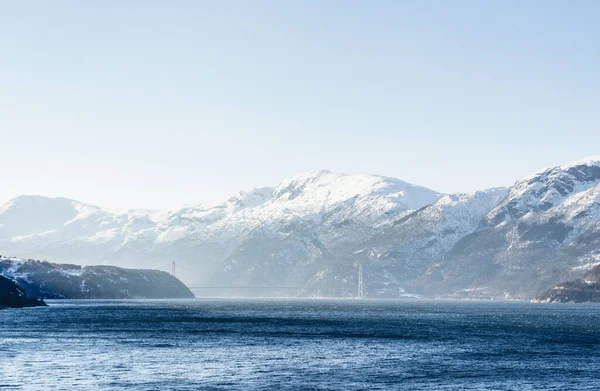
13,296
585,290
62,281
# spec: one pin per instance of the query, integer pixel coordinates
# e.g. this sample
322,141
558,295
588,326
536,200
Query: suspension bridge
360,290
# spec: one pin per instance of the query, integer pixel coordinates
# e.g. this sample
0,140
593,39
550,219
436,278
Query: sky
157,104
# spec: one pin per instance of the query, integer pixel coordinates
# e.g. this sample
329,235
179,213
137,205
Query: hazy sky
158,104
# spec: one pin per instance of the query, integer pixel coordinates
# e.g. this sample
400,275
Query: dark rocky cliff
13,296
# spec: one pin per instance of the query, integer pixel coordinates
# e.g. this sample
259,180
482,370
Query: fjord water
214,344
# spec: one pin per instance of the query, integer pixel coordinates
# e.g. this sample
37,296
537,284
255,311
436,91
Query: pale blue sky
158,104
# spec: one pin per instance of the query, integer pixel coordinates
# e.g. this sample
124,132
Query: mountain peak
587,161
33,200
309,175
323,187
549,189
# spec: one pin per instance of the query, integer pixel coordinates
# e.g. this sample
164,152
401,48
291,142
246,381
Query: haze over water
254,344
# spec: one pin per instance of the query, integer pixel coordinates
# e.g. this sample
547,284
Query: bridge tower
361,285
173,268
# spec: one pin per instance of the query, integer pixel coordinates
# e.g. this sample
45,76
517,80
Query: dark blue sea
218,344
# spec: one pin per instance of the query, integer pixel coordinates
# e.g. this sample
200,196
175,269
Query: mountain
585,290
414,243
258,236
313,231
546,229
63,281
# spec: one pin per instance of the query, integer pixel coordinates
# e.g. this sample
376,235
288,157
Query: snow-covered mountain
242,239
313,230
415,242
547,229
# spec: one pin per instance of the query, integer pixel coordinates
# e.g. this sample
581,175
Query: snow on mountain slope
521,246
317,190
546,189
315,228
28,215
334,209
414,242
306,219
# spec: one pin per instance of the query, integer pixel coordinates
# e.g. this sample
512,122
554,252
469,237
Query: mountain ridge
309,228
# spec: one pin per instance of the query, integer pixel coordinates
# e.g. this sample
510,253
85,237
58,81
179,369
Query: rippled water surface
299,345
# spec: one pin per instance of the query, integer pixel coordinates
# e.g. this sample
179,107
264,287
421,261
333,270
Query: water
299,345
